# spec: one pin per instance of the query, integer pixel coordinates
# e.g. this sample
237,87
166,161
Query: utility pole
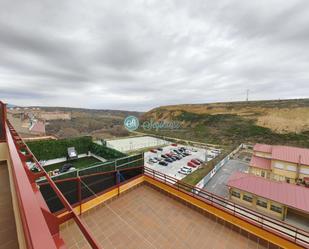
247,99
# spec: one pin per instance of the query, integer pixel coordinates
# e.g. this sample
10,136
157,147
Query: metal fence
78,189
121,163
272,225
2,121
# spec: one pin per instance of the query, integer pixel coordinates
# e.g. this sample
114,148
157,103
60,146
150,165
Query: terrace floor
8,236
147,218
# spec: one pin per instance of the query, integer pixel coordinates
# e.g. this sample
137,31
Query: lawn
77,163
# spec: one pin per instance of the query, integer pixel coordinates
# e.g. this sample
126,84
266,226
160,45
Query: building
37,127
272,197
146,209
281,163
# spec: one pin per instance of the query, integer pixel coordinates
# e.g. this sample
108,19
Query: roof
262,148
38,126
291,154
288,194
285,153
260,162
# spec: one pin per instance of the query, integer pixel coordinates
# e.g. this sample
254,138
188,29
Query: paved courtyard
135,143
217,184
146,218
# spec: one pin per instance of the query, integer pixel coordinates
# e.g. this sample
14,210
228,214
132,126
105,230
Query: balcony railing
282,229
40,226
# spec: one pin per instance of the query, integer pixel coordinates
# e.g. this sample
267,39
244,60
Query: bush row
51,149
105,152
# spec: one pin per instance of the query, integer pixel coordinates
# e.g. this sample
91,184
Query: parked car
153,160
185,170
178,157
160,149
191,164
158,159
177,151
174,145
153,151
201,161
169,160
164,156
195,162
163,163
175,157
172,158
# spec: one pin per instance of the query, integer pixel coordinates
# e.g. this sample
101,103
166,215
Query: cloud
141,54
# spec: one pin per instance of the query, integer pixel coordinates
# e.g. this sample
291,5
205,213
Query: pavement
217,184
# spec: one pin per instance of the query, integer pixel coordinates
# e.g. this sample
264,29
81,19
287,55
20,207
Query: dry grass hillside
276,121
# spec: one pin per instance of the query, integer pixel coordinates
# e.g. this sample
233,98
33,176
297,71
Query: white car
185,170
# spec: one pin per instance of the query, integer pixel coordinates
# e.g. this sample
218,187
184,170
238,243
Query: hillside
78,122
276,121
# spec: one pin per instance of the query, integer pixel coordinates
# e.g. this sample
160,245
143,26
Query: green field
77,163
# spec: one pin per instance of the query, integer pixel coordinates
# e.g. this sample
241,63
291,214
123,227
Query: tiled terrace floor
146,218
8,237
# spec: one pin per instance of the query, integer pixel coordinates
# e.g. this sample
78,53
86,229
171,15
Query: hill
270,121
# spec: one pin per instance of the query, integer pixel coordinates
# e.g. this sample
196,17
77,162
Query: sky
137,55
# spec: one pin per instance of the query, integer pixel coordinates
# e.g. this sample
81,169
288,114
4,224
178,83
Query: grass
77,163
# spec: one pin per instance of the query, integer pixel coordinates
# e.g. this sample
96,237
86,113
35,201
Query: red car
153,151
174,145
192,165
195,162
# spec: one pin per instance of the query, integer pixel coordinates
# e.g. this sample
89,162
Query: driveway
217,184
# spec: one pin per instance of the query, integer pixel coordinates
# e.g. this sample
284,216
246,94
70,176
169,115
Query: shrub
51,149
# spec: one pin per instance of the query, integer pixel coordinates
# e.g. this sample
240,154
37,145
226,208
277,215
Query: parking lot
172,168
217,184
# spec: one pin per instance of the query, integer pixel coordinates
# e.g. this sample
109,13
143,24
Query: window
275,208
247,198
261,203
279,165
263,174
236,194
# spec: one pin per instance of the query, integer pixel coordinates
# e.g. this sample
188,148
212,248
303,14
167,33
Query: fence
79,189
272,225
202,183
121,163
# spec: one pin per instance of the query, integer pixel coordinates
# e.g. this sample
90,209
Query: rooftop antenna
247,98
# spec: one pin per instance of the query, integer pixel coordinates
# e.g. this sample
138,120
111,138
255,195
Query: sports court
147,218
135,143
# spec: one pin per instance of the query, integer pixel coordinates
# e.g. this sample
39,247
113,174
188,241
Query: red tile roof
285,193
262,148
285,153
291,154
260,162
39,127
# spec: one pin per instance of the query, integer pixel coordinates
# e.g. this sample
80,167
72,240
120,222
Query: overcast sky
137,55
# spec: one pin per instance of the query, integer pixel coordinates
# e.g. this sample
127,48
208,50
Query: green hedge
51,149
105,152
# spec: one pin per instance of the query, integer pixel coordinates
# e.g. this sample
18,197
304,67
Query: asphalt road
217,184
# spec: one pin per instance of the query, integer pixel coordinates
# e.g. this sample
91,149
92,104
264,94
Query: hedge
105,152
51,149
